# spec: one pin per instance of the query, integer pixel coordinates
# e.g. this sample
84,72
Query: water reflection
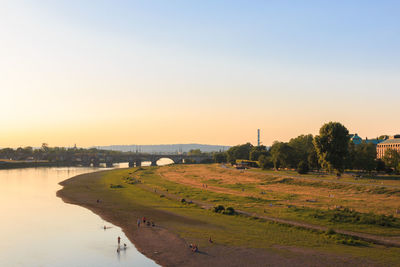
39,229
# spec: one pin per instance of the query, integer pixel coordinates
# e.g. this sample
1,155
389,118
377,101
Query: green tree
282,155
332,146
383,137
219,157
265,162
365,157
257,151
392,159
239,152
302,148
194,152
302,167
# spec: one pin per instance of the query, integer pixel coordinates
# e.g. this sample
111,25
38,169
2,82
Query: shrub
302,168
330,231
219,209
229,211
116,186
351,216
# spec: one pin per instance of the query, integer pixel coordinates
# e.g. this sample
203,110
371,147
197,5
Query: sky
212,72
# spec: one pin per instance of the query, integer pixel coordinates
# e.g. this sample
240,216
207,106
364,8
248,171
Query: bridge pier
178,161
138,163
153,163
86,164
131,164
109,164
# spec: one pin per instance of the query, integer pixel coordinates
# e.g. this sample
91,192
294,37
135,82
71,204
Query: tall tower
258,137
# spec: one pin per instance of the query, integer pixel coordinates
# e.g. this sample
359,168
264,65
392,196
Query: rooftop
391,141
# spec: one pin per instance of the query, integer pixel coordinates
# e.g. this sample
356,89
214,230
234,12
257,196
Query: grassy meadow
158,193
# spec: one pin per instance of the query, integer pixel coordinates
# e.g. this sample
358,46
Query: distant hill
173,148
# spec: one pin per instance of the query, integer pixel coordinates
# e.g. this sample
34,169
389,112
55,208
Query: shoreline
163,245
23,165
160,238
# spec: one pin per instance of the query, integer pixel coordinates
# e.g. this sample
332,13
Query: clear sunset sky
153,72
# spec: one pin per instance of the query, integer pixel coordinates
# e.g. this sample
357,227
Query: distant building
358,140
392,143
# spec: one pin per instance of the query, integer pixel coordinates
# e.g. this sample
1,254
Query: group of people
194,247
119,245
145,222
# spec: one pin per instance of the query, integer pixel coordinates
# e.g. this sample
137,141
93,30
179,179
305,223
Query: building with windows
358,140
392,143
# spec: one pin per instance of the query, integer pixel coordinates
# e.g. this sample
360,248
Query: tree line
331,150
52,154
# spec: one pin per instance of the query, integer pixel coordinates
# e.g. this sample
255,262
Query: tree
238,152
392,159
302,168
282,155
332,146
380,165
302,148
365,157
194,152
219,157
257,151
265,162
383,137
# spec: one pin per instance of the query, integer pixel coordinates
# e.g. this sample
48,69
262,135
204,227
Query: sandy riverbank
166,247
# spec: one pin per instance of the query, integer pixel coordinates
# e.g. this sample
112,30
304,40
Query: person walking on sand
138,223
119,240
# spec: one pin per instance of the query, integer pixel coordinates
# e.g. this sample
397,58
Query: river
38,229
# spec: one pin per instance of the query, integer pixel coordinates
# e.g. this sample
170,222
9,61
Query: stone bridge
136,159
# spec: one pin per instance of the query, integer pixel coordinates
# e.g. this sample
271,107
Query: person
105,227
210,240
119,240
138,223
144,219
124,246
152,224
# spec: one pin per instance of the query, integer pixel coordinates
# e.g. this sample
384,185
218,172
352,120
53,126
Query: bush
302,168
116,186
350,216
330,231
229,211
265,162
219,209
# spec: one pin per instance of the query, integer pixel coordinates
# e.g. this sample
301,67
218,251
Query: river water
38,229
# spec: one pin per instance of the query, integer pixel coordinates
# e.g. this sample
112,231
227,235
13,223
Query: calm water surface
39,229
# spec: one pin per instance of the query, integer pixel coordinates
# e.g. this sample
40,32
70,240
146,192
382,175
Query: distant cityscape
171,148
